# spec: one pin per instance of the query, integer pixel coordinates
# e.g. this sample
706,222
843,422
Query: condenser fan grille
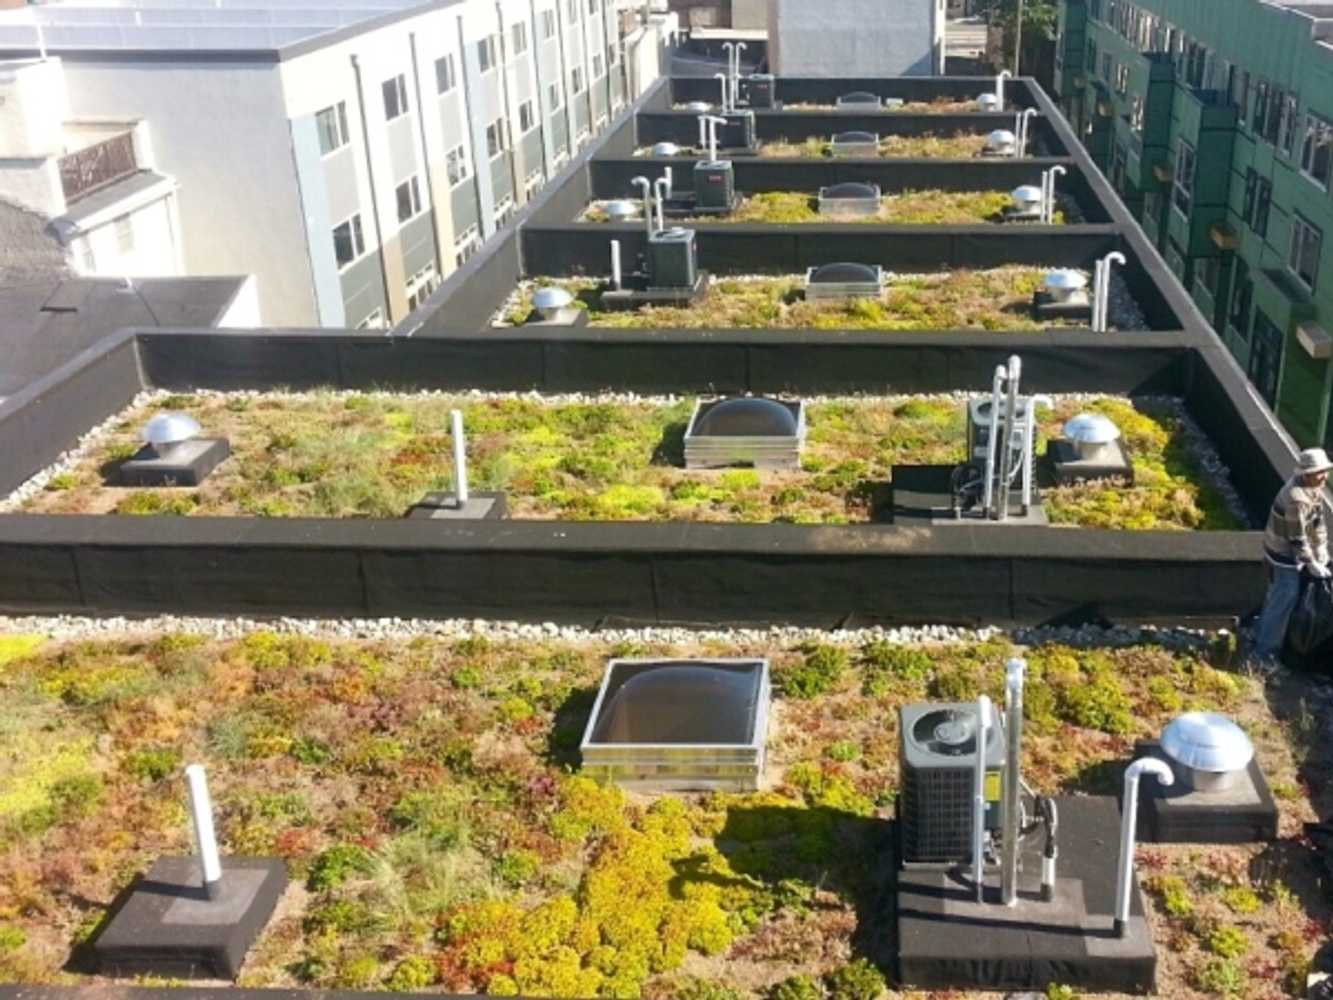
947,732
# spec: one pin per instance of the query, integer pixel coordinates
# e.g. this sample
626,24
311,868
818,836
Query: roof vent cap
549,300
168,429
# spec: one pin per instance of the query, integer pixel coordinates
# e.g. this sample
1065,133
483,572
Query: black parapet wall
682,127
826,90
50,415
591,573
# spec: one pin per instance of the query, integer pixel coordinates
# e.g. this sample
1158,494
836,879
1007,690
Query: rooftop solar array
212,25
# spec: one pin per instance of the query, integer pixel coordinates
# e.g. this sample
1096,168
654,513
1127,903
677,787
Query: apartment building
1214,121
348,153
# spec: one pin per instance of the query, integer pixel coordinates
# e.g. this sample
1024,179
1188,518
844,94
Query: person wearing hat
1295,542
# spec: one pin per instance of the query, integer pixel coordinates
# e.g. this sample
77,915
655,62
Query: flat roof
194,26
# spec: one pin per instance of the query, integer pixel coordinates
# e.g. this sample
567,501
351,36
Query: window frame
527,109
343,135
1317,127
555,97
496,143
463,162
518,34
1242,300
355,237
1182,189
399,84
412,189
447,83
488,56
577,85
1301,226
1262,208
549,24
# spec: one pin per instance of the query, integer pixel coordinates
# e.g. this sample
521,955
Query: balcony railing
93,167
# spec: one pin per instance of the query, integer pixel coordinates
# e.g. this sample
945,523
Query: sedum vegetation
959,146
998,298
331,455
439,837
907,208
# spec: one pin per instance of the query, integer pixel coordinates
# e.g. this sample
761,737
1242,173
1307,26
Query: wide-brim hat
1313,460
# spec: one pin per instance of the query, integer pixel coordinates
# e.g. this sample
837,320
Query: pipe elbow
1154,766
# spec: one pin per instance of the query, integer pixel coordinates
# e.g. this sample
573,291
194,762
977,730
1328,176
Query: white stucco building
856,38
348,153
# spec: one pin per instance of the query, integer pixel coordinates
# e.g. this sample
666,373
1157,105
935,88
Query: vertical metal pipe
703,133
201,816
460,456
616,278
659,195
999,85
1051,850
1103,290
1129,816
1008,425
1056,171
736,75
1013,731
1028,423
979,799
667,176
646,187
730,48
722,77
992,434
713,123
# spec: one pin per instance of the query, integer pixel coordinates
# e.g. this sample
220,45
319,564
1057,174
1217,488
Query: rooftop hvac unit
714,185
673,259
739,132
850,198
937,765
855,144
858,100
761,90
844,280
745,430
978,424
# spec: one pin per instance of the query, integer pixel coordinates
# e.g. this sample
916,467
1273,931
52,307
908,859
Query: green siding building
1214,121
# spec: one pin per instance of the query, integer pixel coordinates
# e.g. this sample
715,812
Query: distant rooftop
190,25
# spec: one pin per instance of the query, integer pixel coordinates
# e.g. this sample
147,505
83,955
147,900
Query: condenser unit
937,773
714,185
673,259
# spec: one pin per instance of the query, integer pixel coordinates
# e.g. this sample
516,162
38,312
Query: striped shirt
1296,534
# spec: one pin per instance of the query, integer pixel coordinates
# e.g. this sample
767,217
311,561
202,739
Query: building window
576,80
1265,357
1317,150
592,6
466,244
486,57
571,12
504,210
1251,190
1303,257
1260,120
408,194
520,36
420,285
1184,178
331,124
1263,202
446,74
1108,67
1122,78
348,243
1241,297
1136,116
1273,120
548,25
598,67
456,163
553,96
1290,120
375,321
533,184
124,227
527,116
495,138
613,55
395,97
1242,99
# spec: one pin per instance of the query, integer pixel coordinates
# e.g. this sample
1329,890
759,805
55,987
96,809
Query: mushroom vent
988,102
1091,428
842,272
699,106
550,300
855,136
1001,141
666,149
1208,750
849,198
747,416
855,144
1027,198
680,724
858,98
1065,285
166,430
621,209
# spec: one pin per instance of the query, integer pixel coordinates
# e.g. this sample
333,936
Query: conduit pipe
1048,192
1129,816
205,839
1013,731
1101,290
979,799
460,456
646,186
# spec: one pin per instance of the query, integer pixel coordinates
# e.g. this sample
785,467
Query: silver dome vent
989,102
1001,142
166,430
666,149
548,301
1064,285
621,210
1207,750
1027,198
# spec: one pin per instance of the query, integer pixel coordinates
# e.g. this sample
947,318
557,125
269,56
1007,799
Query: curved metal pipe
993,434
1006,444
979,798
1024,117
730,48
713,122
647,187
703,133
736,75
1101,297
1129,815
659,193
1000,77
1050,850
726,82
1013,731
1048,204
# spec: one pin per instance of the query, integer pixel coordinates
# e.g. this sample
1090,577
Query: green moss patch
471,856
959,146
997,298
326,455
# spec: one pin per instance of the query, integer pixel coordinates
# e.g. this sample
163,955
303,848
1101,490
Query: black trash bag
1310,631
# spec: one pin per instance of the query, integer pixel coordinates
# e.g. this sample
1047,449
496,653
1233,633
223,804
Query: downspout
425,160
370,179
